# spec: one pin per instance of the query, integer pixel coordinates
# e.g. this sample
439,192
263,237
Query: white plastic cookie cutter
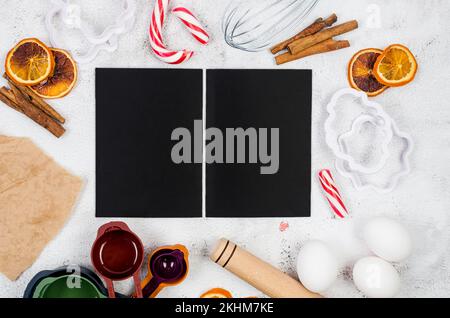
378,117
344,141
70,14
346,164
360,181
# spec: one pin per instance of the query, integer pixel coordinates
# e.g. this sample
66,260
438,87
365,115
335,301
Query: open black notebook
161,150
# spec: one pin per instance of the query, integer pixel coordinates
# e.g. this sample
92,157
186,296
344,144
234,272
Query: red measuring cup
118,254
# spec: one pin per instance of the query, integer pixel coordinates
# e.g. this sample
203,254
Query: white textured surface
421,201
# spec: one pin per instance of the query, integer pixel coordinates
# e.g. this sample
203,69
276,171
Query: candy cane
155,32
332,193
192,23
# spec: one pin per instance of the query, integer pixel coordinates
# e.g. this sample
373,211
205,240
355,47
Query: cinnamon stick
307,42
315,27
36,100
323,47
5,99
14,99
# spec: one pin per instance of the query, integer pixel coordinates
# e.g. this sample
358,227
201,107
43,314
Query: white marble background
421,201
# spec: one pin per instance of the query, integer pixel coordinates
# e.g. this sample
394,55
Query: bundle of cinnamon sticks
315,39
22,99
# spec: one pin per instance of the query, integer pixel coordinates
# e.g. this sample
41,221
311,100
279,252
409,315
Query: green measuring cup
63,283
57,287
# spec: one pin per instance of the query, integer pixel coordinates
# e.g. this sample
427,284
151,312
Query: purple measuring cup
167,266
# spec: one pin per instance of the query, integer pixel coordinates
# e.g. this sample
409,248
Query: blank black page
136,111
261,99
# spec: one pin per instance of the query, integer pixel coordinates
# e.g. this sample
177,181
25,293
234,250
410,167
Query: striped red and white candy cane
332,193
192,23
155,33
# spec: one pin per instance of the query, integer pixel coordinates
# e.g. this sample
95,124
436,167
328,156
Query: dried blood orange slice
397,66
63,78
360,72
217,293
29,62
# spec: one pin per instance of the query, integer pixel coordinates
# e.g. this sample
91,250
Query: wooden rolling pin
258,273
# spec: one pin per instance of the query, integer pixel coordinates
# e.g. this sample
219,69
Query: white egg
376,278
388,239
317,266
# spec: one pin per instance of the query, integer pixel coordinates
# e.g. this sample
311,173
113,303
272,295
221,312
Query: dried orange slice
217,293
397,66
360,72
63,78
29,62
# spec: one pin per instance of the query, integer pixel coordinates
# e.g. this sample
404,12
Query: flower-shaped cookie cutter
346,165
70,14
375,115
357,177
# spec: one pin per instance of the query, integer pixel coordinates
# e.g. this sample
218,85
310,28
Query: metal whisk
254,25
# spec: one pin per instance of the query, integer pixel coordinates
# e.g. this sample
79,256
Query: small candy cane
192,23
155,33
156,40
332,193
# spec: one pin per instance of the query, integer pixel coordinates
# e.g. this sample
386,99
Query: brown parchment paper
36,199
